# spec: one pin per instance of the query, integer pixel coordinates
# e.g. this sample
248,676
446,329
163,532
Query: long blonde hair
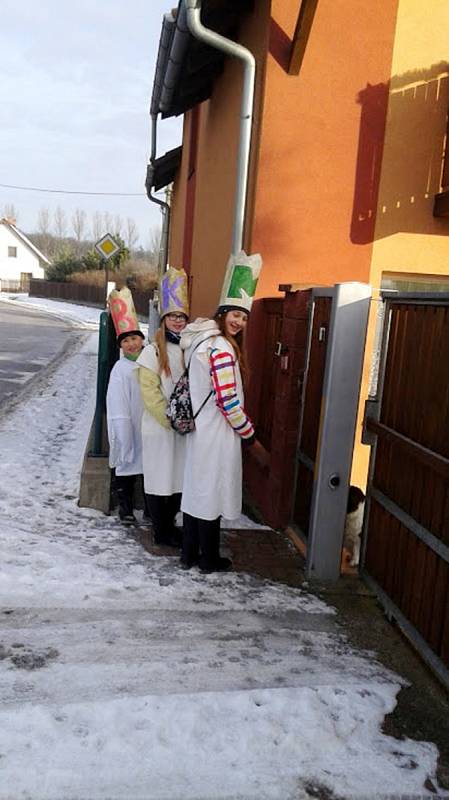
161,345
237,342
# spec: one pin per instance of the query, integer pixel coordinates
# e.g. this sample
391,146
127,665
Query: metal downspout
153,313
167,35
165,208
231,48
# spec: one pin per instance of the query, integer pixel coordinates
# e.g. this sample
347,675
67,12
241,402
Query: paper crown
239,287
173,293
123,313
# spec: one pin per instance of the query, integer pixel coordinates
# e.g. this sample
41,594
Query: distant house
20,259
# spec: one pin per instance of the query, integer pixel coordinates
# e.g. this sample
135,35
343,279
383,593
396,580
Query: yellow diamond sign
107,247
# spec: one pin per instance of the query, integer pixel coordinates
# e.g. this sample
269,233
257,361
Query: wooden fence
407,527
83,293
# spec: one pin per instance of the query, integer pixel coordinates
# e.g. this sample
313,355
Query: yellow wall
408,239
407,236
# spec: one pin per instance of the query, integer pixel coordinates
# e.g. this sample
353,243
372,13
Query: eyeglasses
176,317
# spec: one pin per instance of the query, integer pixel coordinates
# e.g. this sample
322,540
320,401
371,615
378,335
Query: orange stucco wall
310,143
345,161
178,202
305,153
216,171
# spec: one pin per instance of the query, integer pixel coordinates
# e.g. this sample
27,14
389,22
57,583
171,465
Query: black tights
200,541
162,510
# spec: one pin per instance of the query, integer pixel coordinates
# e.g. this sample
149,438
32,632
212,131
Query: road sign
107,247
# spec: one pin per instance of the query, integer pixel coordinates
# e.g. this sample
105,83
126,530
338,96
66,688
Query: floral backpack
180,411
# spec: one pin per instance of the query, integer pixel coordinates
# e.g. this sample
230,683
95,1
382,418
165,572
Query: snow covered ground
81,316
124,678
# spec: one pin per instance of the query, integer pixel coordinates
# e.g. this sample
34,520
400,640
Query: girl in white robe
213,469
161,364
124,410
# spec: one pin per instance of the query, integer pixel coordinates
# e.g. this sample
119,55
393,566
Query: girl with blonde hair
161,365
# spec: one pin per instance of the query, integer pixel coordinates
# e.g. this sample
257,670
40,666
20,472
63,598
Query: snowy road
28,342
123,678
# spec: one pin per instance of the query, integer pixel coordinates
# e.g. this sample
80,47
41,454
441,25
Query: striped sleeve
222,370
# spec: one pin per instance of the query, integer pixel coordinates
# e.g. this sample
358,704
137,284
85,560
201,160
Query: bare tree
10,212
43,221
79,224
132,234
97,226
118,225
43,227
154,244
60,222
108,222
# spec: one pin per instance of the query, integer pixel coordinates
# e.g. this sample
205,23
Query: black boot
190,542
146,508
164,531
172,507
210,559
124,487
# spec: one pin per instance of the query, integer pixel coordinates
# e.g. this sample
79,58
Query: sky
122,676
74,106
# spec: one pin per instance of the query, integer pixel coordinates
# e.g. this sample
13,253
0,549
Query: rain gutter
230,48
172,66
165,208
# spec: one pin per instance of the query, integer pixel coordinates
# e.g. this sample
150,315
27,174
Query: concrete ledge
95,482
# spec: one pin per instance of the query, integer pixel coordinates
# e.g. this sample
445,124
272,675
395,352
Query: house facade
18,256
348,176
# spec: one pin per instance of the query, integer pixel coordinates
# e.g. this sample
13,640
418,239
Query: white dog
354,522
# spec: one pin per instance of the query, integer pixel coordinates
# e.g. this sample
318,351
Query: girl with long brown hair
212,488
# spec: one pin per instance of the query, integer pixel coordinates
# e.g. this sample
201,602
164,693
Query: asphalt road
29,340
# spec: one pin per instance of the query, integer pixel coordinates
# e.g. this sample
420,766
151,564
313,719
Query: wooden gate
311,410
406,539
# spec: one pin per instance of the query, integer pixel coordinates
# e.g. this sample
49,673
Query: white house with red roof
20,259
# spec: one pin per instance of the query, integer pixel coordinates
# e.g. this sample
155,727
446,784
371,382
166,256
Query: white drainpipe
231,48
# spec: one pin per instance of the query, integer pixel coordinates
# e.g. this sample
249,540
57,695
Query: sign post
107,247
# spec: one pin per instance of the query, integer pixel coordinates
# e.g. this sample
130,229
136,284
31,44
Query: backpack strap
203,404
187,373
196,348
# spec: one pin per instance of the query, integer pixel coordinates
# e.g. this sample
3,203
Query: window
12,252
415,282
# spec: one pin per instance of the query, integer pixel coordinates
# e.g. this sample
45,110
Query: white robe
124,409
163,448
213,470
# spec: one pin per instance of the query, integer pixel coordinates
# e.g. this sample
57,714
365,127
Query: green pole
102,383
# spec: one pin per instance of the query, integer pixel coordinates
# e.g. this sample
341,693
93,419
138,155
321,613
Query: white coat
163,448
213,469
124,410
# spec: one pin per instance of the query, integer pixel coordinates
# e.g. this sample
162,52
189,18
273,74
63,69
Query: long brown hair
237,342
161,344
